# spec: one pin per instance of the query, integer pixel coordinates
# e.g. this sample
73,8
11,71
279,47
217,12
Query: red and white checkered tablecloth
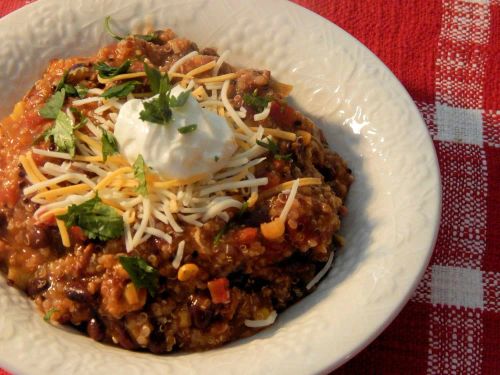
447,55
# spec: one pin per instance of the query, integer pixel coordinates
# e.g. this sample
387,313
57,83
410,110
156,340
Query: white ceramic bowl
367,116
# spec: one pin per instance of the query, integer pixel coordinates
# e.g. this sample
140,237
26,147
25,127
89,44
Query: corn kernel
18,111
187,272
131,294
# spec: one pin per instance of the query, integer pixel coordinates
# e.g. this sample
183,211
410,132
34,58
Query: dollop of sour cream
173,155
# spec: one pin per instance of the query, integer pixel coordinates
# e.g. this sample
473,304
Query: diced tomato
283,114
247,235
219,290
77,234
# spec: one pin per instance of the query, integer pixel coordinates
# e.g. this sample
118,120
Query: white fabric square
455,286
459,125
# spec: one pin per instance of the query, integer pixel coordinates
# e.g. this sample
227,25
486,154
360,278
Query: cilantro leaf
70,90
259,103
270,145
121,90
98,220
109,31
109,144
141,273
187,129
82,118
62,82
147,37
154,78
180,100
140,175
49,313
158,110
61,133
53,105
81,90
230,224
108,71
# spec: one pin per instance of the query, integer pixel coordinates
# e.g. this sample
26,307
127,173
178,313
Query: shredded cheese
179,254
121,77
289,201
64,233
262,323
181,61
202,69
321,273
305,181
278,133
264,114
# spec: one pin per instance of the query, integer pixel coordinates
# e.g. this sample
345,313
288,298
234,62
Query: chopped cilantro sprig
98,220
141,273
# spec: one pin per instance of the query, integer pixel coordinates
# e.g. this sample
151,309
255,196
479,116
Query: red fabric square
403,346
491,260
491,349
406,41
492,81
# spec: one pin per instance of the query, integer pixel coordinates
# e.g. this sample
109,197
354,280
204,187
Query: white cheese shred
264,114
321,273
179,254
181,61
262,323
289,201
237,120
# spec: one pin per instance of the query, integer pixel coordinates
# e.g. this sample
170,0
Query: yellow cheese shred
201,69
221,78
52,194
306,181
54,212
176,182
121,77
289,136
64,233
106,180
94,145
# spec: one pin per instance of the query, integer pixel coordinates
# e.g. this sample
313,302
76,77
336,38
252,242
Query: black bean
119,333
36,237
77,293
37,286
4,222
201,311
95,329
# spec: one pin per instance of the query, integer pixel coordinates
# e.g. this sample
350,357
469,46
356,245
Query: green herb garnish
53,106
158,109
61,134
272,147
187,129
141,273
140,175
259,103
154,78
82,119
120,91
98,220
148,37
216,158
109,144
179,101
81,90
108,71
49,313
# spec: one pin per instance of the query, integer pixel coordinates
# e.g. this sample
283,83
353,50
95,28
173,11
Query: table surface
447,55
